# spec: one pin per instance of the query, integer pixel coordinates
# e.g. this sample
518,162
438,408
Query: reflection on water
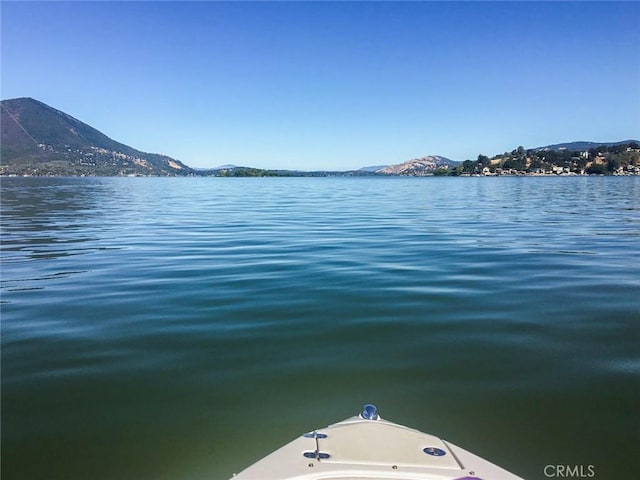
151,326
50,218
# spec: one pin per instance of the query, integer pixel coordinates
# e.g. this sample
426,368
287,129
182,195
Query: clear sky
330,85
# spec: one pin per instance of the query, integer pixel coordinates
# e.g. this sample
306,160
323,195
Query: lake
182,328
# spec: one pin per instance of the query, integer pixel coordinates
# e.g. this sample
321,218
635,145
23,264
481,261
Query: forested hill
40,140
620,158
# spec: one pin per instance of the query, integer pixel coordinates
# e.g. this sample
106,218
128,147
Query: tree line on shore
602,160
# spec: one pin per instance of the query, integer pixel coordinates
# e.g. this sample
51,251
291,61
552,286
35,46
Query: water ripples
189,297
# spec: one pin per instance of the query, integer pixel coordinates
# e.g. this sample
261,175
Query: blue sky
330,85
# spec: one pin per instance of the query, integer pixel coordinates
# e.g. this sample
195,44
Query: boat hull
362,448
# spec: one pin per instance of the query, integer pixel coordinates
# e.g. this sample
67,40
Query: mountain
228,166
418,167
373,168
40,140
583,146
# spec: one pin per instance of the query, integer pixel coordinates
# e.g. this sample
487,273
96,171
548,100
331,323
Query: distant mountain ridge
372,168
39,139
583,145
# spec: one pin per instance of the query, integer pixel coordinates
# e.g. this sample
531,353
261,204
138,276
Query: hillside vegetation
608,159
40,140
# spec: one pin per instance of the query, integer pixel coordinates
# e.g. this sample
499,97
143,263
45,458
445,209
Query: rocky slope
40,140
418,167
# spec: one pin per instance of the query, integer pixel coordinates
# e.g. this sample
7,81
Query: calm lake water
182,328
